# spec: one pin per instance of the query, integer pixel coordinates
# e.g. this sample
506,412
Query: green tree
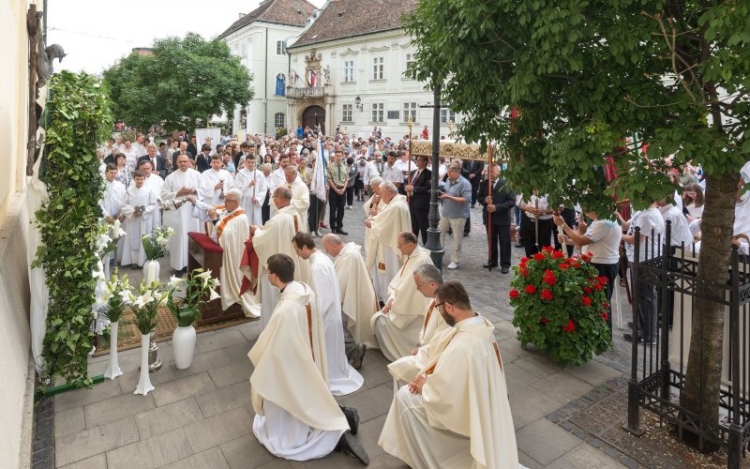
180,86
583,75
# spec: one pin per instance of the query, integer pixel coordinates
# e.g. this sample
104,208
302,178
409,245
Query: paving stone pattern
202,417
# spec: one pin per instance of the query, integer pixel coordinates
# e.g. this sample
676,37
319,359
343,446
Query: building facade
260,39
16,366
347,72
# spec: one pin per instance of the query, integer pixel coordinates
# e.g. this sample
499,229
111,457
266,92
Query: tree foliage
78,119
585,74
181,85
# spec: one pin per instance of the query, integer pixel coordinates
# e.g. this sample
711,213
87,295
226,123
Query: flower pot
113,368
183,346
151,271
144,383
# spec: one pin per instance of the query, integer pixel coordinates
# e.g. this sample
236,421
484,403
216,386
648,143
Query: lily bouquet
155,242
116,297
186,295
146,304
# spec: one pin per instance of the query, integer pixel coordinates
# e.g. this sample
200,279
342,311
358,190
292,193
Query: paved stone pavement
202,417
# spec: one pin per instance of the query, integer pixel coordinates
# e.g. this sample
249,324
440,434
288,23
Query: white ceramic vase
183,346
113,368
144,383
151,271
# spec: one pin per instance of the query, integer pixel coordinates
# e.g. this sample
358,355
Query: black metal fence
667,289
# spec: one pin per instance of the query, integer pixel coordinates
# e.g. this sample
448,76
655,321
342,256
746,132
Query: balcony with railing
312,92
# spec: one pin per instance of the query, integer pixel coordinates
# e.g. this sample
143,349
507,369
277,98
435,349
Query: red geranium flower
522,270
539,256
558,254
585,300
587,290
546,294
530,289
547,248
570,326
549,277
602,280
605,316
576,264
606,305
544,321
514,293
598,286
564,266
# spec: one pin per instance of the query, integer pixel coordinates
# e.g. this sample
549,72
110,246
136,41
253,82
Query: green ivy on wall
78,119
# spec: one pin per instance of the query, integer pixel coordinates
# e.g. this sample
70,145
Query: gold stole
427,317
227,219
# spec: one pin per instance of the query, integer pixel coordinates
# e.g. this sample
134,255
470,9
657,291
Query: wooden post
489,214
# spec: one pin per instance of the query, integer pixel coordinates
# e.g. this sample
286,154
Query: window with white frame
377,68
378,112
280,47
348,113
411,61
279,120
410,112
348,71
446,116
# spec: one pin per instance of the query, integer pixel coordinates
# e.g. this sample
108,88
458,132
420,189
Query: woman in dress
123,172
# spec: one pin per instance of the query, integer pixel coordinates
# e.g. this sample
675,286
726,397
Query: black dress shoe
504,270
641,340
341,232
356,362
630,324
487,265
352,447
352,417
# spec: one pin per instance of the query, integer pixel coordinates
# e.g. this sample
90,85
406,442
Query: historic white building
259,39
347,71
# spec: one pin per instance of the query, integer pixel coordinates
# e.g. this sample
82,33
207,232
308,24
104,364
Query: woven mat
129,337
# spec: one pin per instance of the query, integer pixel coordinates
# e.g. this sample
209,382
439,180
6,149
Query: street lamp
358,103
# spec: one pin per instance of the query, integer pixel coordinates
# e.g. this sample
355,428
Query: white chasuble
232,236
179,215
210,178
254,188
462,419
358,299
342,378
297,418
382,243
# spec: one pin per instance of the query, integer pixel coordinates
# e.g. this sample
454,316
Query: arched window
279,120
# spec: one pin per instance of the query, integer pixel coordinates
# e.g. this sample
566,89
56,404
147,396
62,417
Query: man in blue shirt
456,196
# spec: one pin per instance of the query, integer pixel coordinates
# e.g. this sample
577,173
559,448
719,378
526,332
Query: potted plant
154,244
560,306
116,298
184,299
145,306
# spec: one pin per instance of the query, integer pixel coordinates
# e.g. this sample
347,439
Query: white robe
210,178
297,418
462,419
342,378
382,244
180,219
111,204
300,200
358,299
398,330
274,237
137,227
252,197
232,241
155,183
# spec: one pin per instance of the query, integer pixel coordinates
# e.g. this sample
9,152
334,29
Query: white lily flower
176,282
98,275
213,295
205,275
128,296
140,302
106,295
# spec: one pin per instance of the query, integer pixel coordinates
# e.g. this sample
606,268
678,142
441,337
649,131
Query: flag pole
411,124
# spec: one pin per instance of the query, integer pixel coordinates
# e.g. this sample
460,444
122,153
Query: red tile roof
286,12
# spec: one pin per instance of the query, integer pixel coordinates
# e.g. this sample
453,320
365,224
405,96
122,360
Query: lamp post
433,234
358,104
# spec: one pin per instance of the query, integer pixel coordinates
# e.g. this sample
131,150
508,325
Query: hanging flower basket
560,306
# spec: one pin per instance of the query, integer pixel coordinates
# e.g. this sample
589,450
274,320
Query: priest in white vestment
252,183
297,418
179,215
455,414
383,256
300,193
343,379
216,182
372,206
231,231
275,237
140,204
397,325
155,183
358,301
111,203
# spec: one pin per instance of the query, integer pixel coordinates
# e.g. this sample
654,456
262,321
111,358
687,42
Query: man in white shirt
252,183
391,172
343,379
216,182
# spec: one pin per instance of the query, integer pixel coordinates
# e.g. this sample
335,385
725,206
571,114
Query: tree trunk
703,376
